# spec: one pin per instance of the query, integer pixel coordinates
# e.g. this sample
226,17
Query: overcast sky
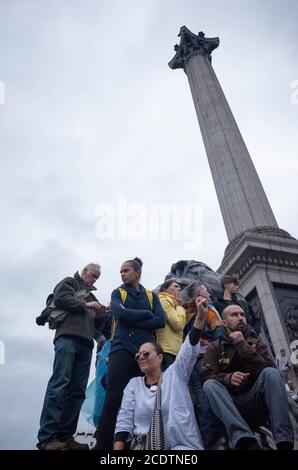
92,112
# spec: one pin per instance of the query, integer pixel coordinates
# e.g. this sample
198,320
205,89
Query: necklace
152,387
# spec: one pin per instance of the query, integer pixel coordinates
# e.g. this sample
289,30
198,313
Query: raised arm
189,350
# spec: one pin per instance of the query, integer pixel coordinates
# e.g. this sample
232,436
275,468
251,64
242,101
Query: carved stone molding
191,45
263,232
265,247
267,261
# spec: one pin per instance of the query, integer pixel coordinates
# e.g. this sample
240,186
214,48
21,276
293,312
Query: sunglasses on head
145,355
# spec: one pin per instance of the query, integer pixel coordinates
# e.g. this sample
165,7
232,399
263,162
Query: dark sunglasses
145,355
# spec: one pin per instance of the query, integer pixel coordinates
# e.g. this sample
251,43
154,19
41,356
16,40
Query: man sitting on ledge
242,385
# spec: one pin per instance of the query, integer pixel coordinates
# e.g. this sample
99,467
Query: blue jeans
207,421
266,399
66,389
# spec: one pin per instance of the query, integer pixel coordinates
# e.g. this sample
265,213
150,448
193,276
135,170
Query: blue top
136,322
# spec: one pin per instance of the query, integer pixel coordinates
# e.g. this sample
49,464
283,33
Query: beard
243,328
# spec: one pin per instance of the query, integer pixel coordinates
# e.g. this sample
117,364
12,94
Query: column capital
190,45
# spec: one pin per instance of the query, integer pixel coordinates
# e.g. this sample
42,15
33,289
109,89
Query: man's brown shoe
53,445
74,445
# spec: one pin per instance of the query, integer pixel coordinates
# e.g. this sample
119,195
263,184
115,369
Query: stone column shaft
241,197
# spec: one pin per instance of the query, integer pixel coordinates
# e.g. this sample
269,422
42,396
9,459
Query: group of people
178,375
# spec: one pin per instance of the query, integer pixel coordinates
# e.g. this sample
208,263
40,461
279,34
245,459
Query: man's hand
98,307
118,445
236,336
238,379
202,308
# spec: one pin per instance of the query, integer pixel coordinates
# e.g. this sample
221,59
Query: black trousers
122,367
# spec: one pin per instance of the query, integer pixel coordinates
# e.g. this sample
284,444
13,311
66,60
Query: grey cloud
23,382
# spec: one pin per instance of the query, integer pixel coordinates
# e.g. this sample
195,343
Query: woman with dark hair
137,313
156,411
171,336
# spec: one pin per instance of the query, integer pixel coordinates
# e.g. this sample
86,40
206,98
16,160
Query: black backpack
43,318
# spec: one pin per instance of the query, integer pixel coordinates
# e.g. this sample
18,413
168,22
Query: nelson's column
264,256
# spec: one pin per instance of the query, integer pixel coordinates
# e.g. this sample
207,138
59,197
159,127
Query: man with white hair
74,341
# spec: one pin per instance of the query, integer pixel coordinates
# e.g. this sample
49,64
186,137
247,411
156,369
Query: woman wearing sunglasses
138,313
137,416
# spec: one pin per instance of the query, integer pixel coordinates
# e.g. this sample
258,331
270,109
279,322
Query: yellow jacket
171,336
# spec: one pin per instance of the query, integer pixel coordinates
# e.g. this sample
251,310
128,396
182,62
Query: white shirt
180,426
282,363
